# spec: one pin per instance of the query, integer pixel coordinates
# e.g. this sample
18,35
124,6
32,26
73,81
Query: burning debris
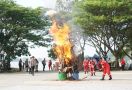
62,46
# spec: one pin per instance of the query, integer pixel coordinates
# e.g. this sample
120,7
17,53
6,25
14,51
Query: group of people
31,65
49,64
90,66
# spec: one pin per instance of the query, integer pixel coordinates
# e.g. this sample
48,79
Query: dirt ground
122,80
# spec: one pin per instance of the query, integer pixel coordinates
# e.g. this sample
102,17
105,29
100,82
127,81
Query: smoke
51,13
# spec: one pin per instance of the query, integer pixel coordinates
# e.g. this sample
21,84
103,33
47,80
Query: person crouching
106,69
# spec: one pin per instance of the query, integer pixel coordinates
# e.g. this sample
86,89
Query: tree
64,8
128,47
79,39
19,27
51,54
64,5
106,21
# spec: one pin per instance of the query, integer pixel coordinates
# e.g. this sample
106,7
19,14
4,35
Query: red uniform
106,69
91,66
85,64
123,63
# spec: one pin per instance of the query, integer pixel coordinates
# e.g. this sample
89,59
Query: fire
62,43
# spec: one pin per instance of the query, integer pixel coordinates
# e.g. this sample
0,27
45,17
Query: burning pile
62,46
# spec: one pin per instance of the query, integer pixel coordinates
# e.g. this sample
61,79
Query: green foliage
51,54
129,38
19,27
64,8
106,21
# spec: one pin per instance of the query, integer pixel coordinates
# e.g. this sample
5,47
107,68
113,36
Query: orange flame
62,44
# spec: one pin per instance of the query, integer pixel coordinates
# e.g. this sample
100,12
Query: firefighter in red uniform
85,64
91,67
106,69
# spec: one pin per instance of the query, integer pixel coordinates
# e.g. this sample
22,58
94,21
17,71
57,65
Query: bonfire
62,46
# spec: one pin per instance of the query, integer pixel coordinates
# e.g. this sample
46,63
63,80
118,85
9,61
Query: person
36,66
85,64
1,66
29,65
123,63
75,71
92,67
60,67
106,69
33,63
23,65
20,65
44,64
99,66
50,65
26,65
54,67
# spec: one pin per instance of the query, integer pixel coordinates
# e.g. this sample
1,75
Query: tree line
105,24
21,27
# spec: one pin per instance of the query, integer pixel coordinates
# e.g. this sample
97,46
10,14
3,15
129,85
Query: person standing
33,63
123,63
23,65
29,65
54,67
92,67
50,65
86,66
20,65
44,64
106,69
75,70
36,66
26,65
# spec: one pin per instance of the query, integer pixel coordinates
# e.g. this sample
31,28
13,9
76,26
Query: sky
37,3
41,52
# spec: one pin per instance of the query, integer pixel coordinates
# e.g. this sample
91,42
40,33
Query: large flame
62,43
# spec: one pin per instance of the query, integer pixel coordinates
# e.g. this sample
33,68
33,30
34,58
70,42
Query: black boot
94,74
102,78
110,77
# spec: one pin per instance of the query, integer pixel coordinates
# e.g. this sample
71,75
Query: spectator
50,65
26,65
44,64
54,67
33,63
123,63
36,66
29,66
20,65
23,65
